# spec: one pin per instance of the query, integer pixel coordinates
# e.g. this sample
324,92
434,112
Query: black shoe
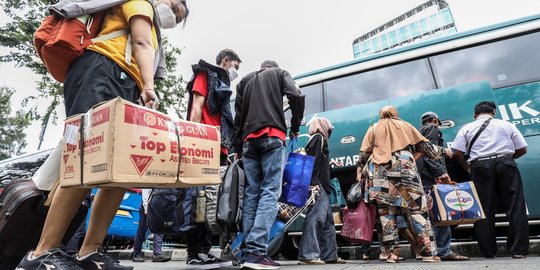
52,259
211,259
160,258
139,257
202,261
101,260
518,256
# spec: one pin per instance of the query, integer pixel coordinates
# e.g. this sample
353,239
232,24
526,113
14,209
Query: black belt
491,157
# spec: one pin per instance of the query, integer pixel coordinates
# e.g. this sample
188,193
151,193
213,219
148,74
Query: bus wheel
288,248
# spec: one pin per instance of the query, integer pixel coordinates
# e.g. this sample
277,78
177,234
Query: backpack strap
482,128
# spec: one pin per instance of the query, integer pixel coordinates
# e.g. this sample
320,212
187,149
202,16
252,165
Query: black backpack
170,210
231,197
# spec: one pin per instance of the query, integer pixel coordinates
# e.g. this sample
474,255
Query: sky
301,35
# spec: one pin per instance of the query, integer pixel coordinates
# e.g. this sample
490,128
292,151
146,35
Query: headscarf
388,135
320,125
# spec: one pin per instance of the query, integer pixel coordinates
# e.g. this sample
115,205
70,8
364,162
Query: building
430,19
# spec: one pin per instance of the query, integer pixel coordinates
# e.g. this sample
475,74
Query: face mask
233,73
165,16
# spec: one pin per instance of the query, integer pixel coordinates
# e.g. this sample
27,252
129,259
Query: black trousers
498,181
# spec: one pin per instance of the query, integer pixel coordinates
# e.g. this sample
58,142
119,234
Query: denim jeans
141,236
443,239
263,160
319,234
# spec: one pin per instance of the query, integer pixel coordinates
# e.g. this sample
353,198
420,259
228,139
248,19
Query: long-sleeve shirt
430,169
317,148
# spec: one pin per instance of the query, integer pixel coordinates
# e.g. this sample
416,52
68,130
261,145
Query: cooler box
127,145
456,204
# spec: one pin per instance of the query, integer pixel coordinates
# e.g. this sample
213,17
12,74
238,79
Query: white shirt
499,138
146,198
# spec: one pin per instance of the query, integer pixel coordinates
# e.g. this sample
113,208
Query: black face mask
329,134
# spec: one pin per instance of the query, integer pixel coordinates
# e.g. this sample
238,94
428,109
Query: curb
346,252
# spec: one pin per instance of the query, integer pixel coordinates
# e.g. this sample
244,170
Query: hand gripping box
127,145
456,204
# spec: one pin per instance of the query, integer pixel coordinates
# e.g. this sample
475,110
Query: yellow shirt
117,18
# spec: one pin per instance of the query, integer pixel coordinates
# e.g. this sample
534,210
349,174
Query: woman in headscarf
388,168
318,242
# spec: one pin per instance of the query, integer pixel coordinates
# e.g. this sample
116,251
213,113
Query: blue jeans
443,237
141,236
263,160
319,234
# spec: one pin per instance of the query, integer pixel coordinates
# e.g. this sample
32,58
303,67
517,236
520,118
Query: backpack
72,27
170,210
231,197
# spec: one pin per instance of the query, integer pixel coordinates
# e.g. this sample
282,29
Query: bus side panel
453,103
520,105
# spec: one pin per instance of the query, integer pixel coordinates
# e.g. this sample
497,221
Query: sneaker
259,262
139,257
52,259
100,260
201,261
161,258
213,259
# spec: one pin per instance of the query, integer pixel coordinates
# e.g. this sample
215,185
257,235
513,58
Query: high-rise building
430,19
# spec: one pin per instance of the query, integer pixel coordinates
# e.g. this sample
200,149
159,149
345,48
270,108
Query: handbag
358,223
297,177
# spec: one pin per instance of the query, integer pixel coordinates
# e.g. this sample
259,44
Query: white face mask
233,73
165,16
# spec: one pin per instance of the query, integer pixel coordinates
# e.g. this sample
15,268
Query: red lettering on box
145,117
98,118
197,131
141,163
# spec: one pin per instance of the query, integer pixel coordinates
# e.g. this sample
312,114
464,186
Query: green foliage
12,136
17,35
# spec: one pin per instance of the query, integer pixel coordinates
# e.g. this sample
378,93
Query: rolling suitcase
22,215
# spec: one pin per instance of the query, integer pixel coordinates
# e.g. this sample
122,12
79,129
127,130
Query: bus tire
288,249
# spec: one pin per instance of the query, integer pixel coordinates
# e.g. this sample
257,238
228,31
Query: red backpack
59,41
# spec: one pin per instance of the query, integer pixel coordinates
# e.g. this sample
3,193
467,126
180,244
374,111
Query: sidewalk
350,252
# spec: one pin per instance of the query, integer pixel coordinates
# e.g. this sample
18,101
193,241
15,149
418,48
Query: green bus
447,75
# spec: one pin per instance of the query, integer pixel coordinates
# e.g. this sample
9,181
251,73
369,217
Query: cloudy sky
301,35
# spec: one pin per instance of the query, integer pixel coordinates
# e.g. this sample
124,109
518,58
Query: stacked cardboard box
127,145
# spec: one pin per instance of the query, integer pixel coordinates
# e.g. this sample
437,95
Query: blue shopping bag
296,177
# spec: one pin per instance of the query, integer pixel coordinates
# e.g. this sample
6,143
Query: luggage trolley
286,216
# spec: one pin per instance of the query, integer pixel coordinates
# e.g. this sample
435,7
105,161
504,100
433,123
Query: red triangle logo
132,146
141,163
155,133
162,160
66,158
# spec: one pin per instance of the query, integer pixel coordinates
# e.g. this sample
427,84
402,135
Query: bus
447,75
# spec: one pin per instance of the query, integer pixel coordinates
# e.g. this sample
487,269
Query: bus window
503,63
398,80
314,101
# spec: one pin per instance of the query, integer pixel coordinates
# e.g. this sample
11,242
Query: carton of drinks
456,204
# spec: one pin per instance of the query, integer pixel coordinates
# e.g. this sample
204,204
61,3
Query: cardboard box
127,145
456,204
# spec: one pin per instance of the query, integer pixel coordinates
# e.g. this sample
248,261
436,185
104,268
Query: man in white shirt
491,162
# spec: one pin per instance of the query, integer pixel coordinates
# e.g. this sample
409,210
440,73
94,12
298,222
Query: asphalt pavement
531,263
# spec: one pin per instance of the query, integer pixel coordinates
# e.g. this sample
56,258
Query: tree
12,136
17,35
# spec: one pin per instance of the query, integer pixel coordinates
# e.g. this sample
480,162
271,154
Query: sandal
431,259
336,261
392,258
312,261
454,257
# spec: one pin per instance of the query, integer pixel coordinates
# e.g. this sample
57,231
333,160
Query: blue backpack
171,210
